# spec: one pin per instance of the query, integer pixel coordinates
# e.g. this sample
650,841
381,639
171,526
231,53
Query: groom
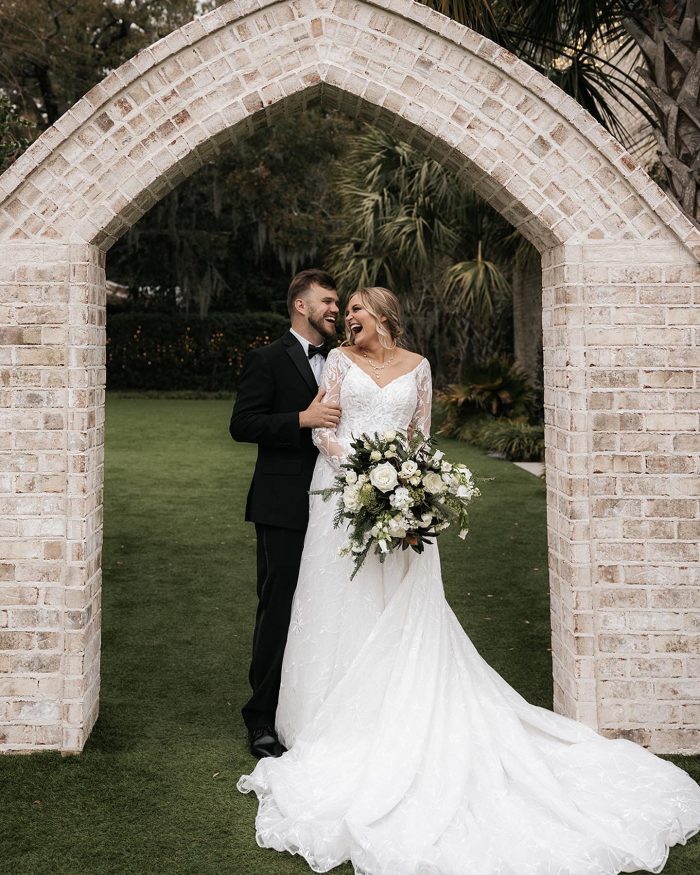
277,405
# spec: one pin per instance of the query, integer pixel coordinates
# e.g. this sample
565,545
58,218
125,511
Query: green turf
154,790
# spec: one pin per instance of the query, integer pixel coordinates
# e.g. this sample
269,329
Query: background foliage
231,236
178,351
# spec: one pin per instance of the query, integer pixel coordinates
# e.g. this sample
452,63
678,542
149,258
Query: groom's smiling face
321,309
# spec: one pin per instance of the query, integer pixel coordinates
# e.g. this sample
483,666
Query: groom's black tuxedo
276,383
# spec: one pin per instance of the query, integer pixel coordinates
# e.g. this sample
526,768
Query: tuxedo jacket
275,384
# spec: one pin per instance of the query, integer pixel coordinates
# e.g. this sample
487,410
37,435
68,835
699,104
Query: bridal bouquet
398,491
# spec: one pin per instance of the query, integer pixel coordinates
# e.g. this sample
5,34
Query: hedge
178,351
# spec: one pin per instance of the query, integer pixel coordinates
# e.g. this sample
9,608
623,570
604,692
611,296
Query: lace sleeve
424,384
326,439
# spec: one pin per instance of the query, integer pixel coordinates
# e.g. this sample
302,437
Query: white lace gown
408,754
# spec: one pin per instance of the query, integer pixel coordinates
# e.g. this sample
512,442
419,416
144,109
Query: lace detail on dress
424,388
326,439
366,407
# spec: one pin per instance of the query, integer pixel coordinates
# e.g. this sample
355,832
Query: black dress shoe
263,742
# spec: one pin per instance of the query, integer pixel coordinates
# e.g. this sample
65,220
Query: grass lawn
154,790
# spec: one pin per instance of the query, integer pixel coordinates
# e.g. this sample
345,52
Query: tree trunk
668,35
43,79
527,316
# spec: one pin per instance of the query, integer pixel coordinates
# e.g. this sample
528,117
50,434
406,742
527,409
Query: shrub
517,439
498,388
166,351
494,407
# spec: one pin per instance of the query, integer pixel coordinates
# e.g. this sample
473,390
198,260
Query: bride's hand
319,414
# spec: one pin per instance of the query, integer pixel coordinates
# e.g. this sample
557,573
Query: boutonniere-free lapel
296,352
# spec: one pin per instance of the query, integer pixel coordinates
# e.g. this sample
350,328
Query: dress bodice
367,408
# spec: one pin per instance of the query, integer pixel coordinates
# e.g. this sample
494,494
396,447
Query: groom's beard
325,329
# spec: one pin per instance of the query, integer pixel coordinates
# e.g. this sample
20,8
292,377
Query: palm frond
599,86
474,286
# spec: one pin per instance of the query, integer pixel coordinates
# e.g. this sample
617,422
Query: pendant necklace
377,368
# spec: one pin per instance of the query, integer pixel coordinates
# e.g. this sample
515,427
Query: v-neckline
376,385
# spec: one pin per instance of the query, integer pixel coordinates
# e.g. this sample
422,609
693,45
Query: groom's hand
319,414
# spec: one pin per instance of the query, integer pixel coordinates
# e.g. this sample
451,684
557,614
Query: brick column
51,456
629,601
567,426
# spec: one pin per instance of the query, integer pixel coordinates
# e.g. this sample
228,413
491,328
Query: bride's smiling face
360,323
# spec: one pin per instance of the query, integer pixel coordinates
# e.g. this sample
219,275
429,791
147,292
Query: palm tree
668,36
563,39
411,225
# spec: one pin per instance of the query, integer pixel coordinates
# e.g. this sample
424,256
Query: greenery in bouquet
398,490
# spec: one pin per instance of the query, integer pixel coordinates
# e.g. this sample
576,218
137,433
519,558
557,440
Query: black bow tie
317,350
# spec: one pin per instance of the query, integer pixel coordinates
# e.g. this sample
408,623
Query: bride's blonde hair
380,302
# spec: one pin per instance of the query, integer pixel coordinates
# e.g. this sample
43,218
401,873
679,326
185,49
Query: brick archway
620,278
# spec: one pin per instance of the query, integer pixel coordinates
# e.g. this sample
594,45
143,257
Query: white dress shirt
317,363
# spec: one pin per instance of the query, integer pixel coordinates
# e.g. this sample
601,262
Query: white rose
445,467
389,436
383,477
409,468
375,455
351,477
463,492
438,455
361,479
433,483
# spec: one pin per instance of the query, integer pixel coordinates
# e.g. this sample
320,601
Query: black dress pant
279,556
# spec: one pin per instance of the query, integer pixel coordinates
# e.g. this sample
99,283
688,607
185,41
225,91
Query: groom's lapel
296,353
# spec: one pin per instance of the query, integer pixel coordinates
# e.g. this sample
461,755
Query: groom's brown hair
303,280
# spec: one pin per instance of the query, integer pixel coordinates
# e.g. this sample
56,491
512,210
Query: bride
407,754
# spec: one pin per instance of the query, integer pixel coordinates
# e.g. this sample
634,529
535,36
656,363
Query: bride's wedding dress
408,754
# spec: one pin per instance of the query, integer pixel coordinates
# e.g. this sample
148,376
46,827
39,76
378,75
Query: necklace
377,367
